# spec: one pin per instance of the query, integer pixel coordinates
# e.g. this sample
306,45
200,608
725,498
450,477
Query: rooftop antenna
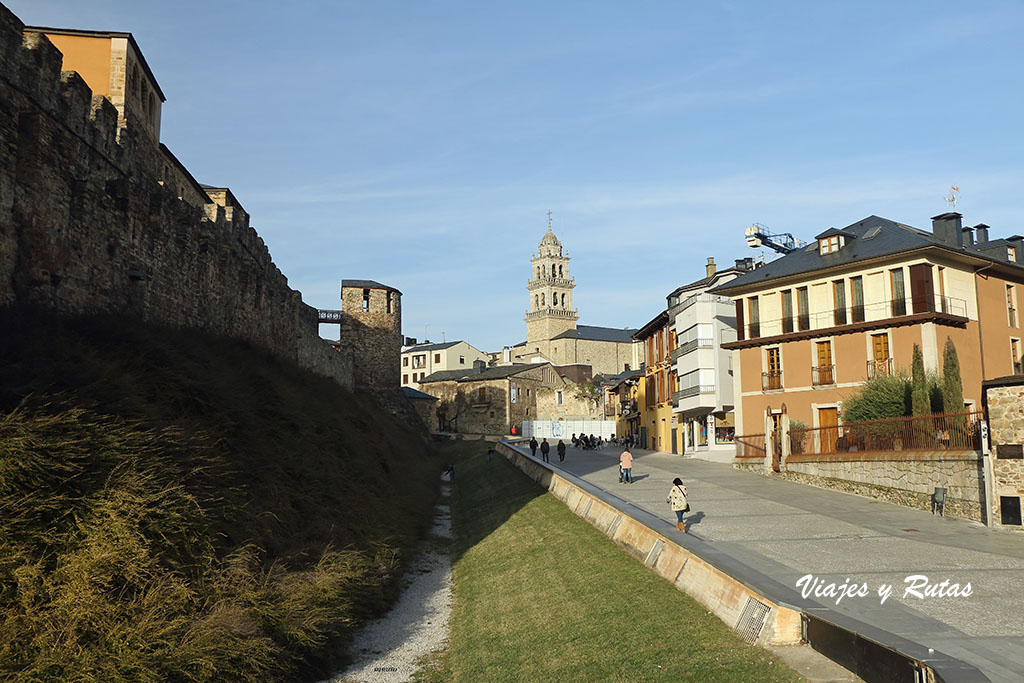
426,336
954,195
444,340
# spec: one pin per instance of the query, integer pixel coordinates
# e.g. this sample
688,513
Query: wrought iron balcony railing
823,375
771,381
881,367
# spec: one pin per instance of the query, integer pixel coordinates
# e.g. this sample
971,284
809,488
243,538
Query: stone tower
550,288
371,325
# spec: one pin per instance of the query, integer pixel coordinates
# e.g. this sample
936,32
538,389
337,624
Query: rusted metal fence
750,446
938,432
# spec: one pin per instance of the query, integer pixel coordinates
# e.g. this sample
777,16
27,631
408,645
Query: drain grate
752,620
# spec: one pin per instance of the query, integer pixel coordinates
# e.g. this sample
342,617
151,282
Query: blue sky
421,144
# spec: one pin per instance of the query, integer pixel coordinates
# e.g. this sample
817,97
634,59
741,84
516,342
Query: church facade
552,330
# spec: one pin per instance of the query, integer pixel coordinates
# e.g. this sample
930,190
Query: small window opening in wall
558,397
389,302
1009,507
366,300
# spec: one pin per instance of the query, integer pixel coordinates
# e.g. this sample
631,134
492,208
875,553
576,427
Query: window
899,297
1011,305
366,300
560,275
542,298
772,379
1015,357
513,392
823,374
563,301
828,245
462,360
702,432
725,429
880,364
558,397
405,379
389,302
755,318
1011,254
419,361
942,289
804,313
787,311
857,294
839,302
437,358
405,361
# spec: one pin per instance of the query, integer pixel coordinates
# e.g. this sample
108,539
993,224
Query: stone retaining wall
666,556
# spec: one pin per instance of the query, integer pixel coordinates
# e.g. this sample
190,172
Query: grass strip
540,595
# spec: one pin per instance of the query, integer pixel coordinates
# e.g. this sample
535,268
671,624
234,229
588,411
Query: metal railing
695,390
692,345
750,446
872,312
938,432
703,298
823,375
880,368
770,381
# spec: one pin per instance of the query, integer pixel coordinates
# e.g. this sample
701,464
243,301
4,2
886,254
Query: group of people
676,498
587,442
545,449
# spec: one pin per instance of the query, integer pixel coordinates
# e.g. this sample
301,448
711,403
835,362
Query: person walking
533,446
626,463
677,499
545,448
561,451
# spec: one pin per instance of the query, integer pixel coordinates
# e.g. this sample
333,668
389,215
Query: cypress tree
921,405
952,385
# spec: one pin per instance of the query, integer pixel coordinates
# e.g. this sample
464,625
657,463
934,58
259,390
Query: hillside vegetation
176,506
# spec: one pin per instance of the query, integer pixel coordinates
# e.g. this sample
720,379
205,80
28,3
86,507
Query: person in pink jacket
626,463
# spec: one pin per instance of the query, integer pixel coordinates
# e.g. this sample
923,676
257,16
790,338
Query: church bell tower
550,288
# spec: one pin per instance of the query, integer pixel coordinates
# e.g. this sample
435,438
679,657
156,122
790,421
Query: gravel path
386,649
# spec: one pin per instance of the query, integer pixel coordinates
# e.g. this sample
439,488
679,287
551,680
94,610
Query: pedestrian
561,451
575,443
533,447
626,462
545,448
677,499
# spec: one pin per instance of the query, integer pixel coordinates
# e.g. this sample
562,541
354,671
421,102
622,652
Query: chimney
750,262
741,264
982,231
946,228
968,234
710,267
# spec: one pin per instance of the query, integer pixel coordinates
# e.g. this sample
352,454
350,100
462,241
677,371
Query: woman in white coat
677,499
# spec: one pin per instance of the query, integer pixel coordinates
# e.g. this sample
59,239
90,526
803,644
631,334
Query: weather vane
954,195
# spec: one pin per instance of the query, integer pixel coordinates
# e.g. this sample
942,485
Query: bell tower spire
550,310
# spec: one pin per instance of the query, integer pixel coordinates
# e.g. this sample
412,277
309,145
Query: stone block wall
86,226
1006,432
375,334
571,407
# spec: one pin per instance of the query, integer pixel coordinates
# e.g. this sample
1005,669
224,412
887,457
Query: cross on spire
549,219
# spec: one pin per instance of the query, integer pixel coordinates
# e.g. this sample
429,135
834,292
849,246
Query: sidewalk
788,530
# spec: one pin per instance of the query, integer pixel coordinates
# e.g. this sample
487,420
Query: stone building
1004,401
494,400
425,406
371,326
552,331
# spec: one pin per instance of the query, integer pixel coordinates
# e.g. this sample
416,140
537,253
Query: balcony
1012,313
695,390
771,381
703,298
938,309
880,368
823,375
627,408
690,346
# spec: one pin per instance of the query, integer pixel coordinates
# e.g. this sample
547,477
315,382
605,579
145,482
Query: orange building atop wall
112,65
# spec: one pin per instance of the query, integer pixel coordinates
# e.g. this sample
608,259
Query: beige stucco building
420,360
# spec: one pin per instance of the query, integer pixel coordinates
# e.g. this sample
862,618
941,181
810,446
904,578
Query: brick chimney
947,228
710,267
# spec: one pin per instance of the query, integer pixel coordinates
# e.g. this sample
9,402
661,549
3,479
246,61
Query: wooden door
921,292
828,421
880,353
825,374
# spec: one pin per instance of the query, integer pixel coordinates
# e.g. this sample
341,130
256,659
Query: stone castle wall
1006,430
85,226
374,335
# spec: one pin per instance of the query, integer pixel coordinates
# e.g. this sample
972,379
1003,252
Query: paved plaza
788,530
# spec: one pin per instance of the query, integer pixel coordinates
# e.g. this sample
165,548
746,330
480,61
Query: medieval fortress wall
86,226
